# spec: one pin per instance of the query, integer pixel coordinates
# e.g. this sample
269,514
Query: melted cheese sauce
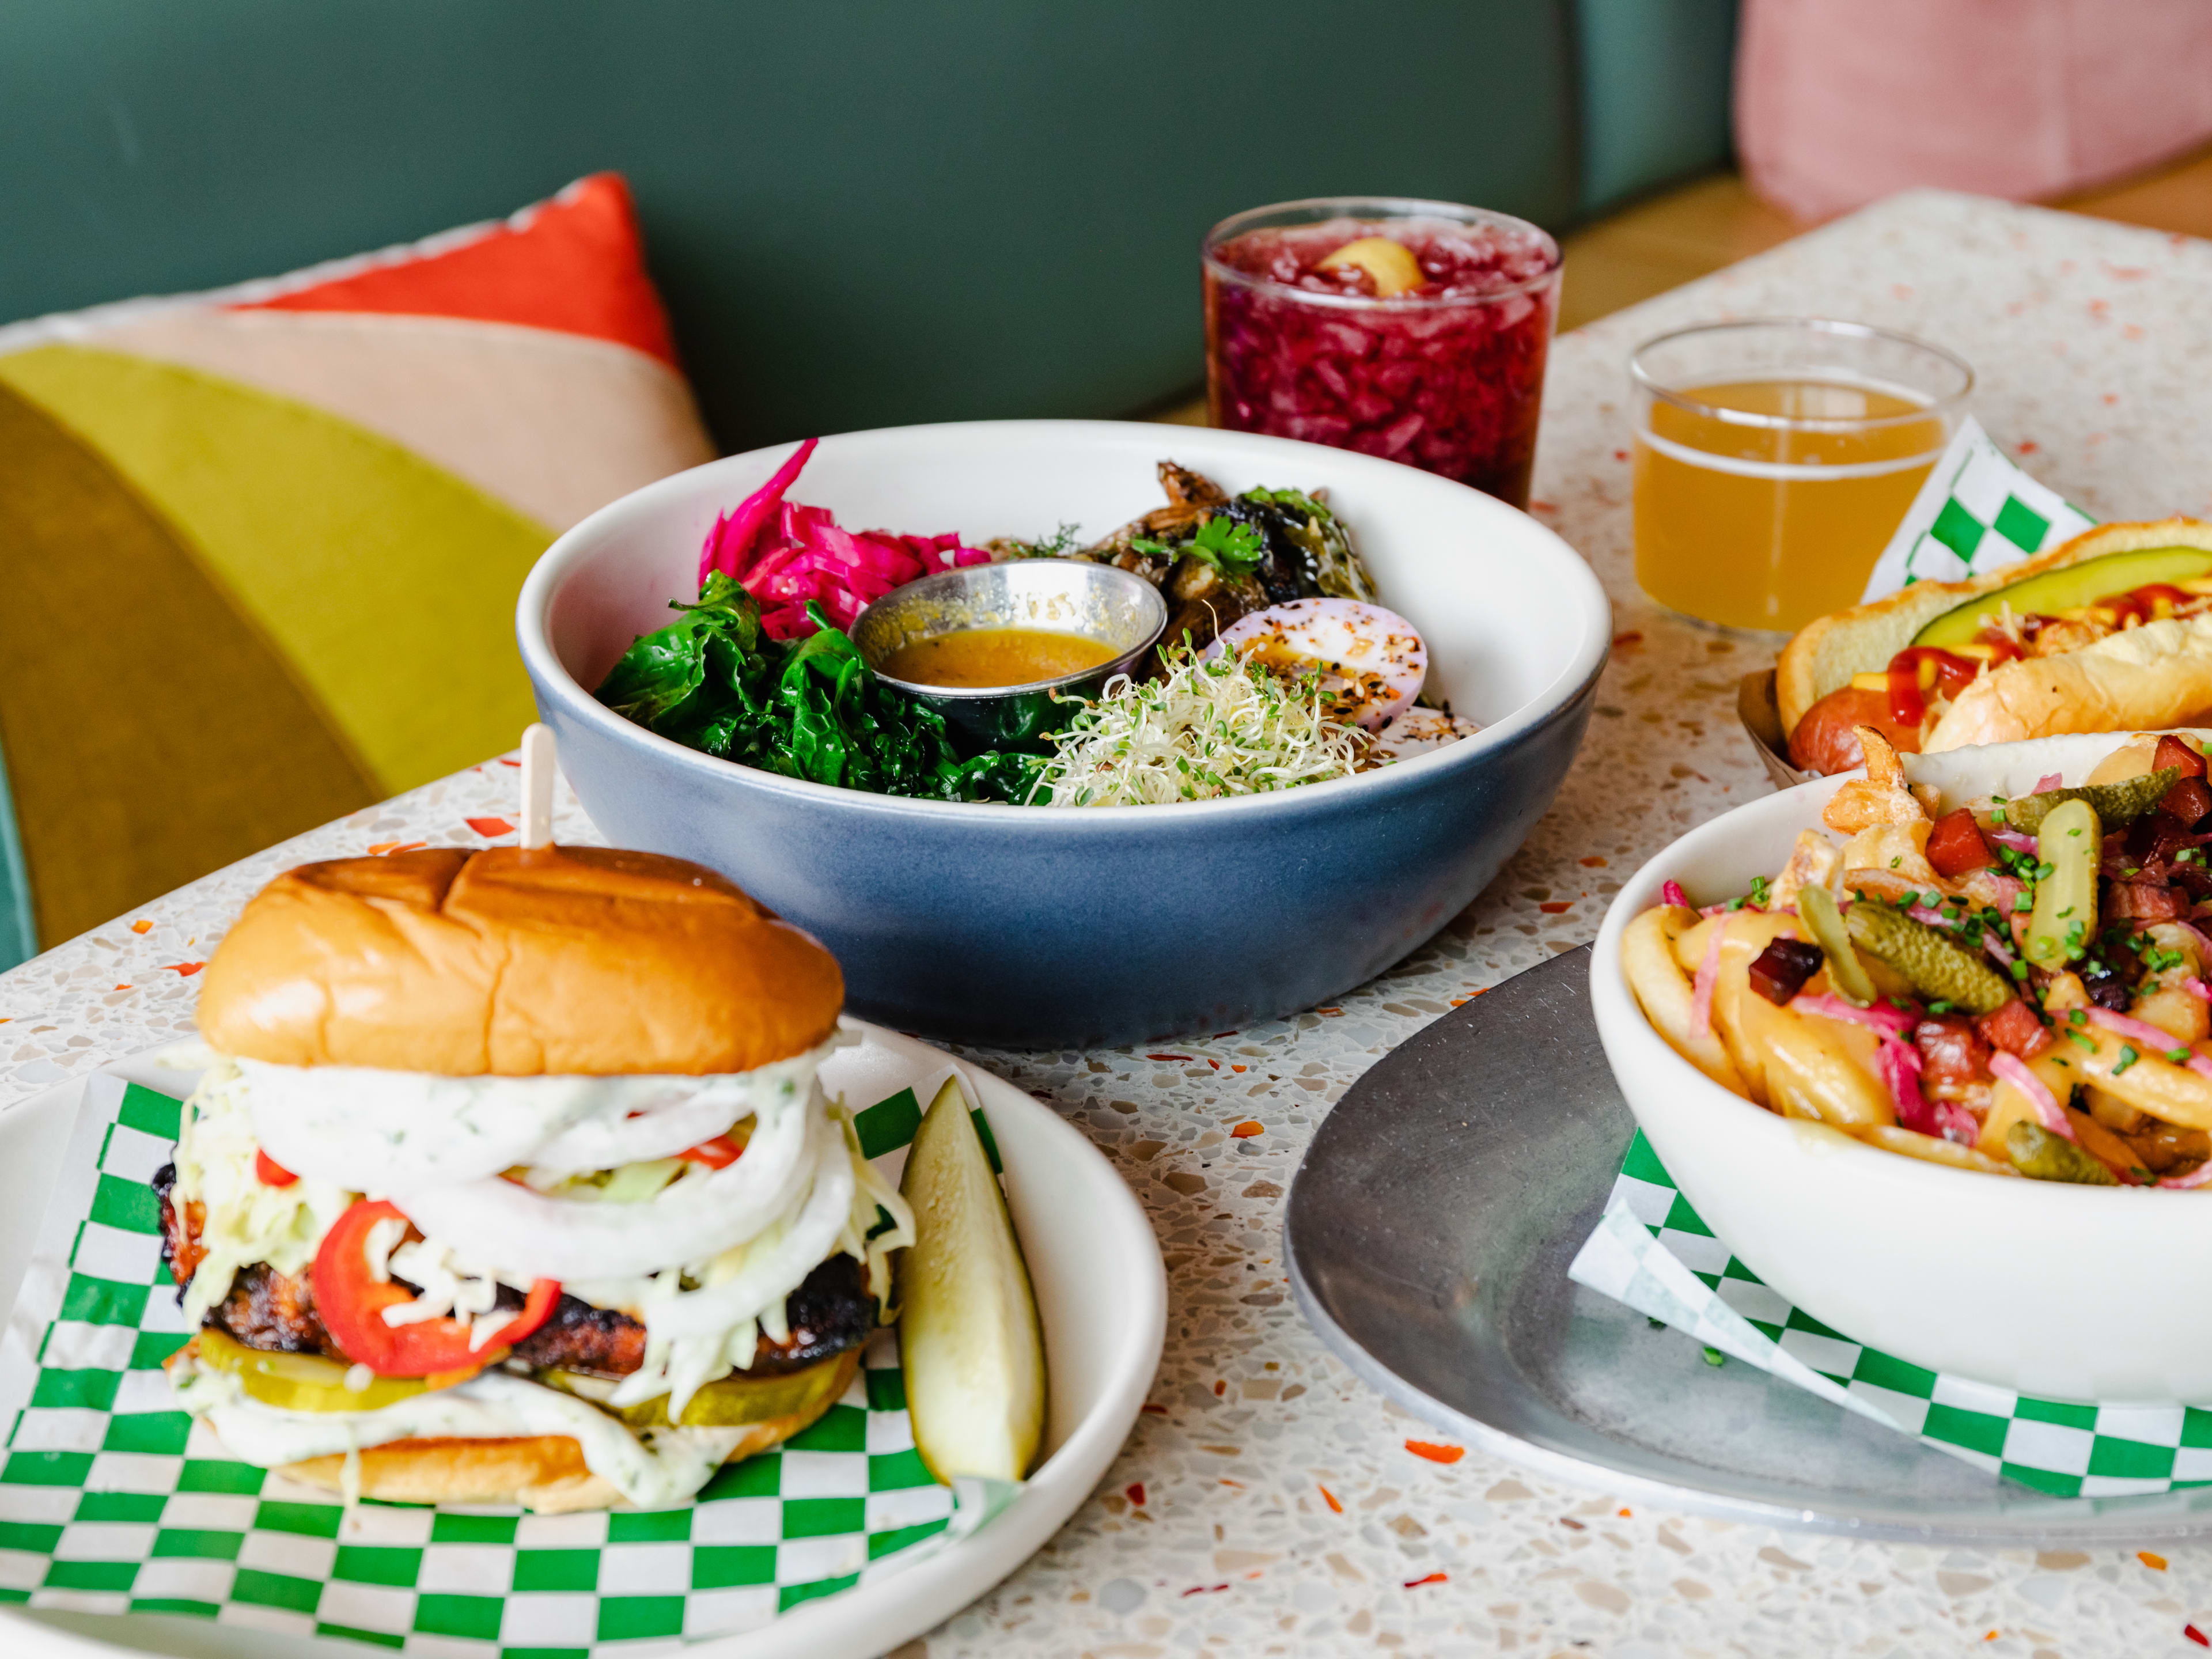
980,658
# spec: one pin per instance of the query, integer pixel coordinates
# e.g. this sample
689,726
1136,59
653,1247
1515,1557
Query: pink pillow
1841,102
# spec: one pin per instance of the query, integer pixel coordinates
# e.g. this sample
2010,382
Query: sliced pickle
2070,843
2068,588
2042,1156
728,1403
300,1382
969,1337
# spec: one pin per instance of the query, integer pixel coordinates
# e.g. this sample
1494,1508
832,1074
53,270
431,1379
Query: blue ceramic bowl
1042,927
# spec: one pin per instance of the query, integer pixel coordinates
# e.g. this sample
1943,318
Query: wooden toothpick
538,770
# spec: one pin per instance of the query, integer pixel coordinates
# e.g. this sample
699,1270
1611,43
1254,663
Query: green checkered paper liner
1650,1251
114,1501
1979,511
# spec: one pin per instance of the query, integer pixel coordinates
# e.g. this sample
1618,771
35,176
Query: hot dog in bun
2110,632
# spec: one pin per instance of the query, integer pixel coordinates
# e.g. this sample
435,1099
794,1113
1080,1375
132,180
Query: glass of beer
1774,459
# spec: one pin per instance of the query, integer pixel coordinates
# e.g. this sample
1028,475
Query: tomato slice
719,1153
351,1301
270,1172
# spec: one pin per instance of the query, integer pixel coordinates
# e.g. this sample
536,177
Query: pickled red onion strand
735,533
1701,991
2011,838
2197,1177
1899,1065
2197,988
1670,893
2002,952
1885,1021
2013,1070
2162,1042
1920,912
2203,939
2047,782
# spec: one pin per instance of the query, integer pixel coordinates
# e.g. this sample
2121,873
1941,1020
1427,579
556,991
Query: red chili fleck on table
1167,1056
489,826
1247,1129
2196,1635
1136,1493
184,969
1329,1498
142,926
1434,1452
1204,1590
1428,1578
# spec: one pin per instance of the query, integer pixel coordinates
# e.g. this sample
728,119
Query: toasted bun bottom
545,1472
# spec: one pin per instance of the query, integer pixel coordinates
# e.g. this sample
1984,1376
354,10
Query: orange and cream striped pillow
263,544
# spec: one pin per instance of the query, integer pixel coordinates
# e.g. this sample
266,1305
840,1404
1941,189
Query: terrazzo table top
1267,1503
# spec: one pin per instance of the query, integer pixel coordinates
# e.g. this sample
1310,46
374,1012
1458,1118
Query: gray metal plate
1429,1232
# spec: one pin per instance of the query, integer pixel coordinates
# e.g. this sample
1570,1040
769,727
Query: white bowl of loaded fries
1925,1046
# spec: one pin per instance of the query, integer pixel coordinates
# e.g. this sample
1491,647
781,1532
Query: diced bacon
1956,845
2175,752
2013,1029
2142,901
1950,1050
2190,801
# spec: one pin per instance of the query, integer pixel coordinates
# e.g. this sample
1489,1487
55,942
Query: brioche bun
576,960
545,1472
1827,652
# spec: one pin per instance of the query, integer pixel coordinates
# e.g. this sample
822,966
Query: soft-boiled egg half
1371,660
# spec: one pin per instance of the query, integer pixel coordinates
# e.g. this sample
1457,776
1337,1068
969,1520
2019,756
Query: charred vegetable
1780,971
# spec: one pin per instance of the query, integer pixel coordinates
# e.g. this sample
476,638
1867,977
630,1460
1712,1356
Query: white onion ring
770,1275
606,1141
527,1235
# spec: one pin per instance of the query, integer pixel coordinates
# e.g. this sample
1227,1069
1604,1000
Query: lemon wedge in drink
969,1337
1392,264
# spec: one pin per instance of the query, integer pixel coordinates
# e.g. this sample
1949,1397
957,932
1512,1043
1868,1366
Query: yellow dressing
979,656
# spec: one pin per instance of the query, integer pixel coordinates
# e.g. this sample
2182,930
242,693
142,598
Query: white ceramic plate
1101,1290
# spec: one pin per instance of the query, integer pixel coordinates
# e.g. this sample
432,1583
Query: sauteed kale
808,709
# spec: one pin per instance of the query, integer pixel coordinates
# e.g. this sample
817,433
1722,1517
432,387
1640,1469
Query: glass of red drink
1414,330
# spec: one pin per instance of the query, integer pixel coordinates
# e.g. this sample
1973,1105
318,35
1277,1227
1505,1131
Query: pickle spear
968,1338
1926,958
2114,803
2042,1156
1846,973
2069,847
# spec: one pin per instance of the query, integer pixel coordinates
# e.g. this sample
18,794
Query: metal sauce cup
1100,602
